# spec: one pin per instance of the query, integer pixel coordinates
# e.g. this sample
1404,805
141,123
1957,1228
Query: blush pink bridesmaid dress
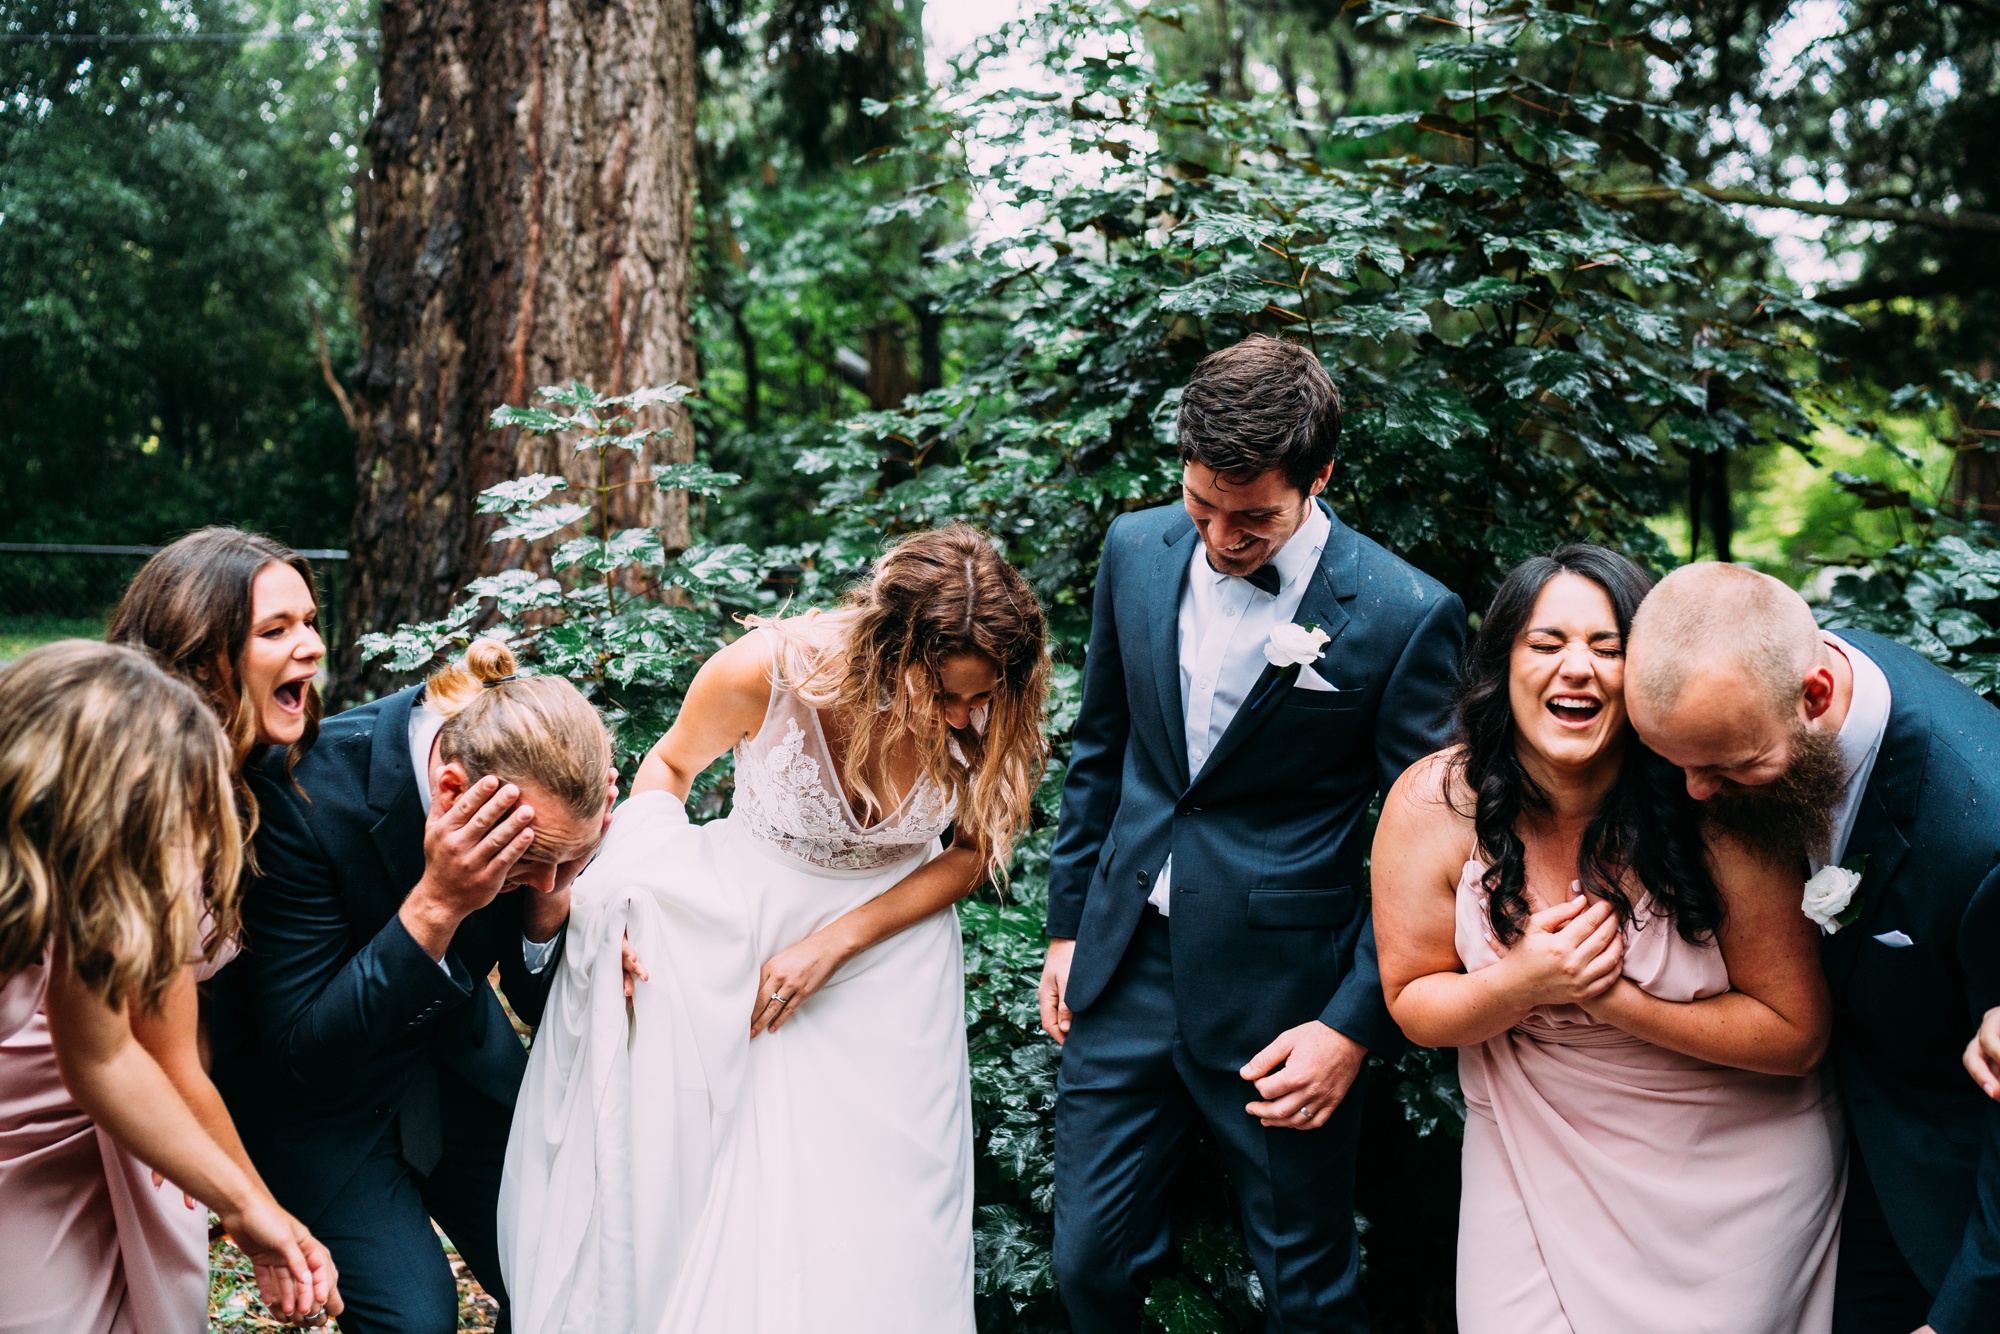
88,1244
1615,1187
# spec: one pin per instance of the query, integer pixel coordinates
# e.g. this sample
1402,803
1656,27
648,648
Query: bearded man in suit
1873,771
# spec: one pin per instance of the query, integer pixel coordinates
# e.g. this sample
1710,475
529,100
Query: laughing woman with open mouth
1636,999
233,615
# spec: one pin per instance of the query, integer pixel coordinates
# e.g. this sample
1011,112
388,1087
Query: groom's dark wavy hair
1648,828
1260,405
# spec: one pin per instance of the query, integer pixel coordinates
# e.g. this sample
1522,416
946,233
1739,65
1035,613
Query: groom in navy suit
1257,673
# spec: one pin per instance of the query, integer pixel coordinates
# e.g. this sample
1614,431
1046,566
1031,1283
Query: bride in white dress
774,1133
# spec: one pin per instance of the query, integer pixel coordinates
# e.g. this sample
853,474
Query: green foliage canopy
173,220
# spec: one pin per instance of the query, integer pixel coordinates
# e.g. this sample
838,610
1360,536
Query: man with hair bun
1852,753
1257,673
429,837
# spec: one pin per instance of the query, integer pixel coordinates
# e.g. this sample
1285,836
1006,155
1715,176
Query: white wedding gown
668,1175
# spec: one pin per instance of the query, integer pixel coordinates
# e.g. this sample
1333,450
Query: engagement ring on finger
778,998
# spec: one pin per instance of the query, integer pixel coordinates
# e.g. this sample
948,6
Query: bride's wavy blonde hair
119,819
939,595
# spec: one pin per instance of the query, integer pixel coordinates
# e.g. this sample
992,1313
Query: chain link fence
51,591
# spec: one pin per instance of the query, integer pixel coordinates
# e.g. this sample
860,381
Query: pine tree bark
526,219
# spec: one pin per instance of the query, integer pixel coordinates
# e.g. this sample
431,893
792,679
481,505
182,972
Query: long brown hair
537,729
190,607
119,819
938,595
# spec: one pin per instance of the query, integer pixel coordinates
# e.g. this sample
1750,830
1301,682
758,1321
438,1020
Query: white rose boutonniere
1295,645
1828,896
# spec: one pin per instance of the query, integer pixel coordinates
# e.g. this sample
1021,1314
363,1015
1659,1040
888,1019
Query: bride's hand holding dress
726,706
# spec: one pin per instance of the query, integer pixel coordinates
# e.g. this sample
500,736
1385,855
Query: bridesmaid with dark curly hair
1635,996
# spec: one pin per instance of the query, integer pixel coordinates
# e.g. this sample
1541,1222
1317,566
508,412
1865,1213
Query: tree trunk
930,342
526,220
1708,490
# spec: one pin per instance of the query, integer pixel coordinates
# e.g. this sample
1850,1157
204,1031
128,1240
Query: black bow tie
1264,577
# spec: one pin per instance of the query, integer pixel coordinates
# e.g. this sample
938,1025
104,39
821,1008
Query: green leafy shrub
1938,590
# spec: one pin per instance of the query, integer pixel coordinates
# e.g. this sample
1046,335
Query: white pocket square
1895,940
1312,680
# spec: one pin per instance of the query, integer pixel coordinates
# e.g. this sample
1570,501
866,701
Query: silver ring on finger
779,999
1305,1113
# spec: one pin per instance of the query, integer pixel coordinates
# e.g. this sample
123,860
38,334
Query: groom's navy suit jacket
1929,826
323,1022
1269,916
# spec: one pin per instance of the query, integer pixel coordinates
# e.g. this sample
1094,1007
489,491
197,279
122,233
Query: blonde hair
938,595
536,729
121,821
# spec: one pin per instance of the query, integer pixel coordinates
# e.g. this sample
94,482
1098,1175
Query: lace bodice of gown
788,795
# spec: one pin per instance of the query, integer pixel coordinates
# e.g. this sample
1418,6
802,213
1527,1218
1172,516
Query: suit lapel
392,790
1888,808
1163,610
1879,839
1330,584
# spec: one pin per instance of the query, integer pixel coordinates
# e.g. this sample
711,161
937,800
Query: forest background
1695,280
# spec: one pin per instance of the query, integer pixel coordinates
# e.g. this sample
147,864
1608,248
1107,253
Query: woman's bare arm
171,1034
122,1088
799,971
1776,1018
725,703
1568,952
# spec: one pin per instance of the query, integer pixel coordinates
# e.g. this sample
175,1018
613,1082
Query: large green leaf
535,524
520,493
695,477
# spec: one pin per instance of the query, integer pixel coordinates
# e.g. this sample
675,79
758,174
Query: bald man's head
1727,676
1726,628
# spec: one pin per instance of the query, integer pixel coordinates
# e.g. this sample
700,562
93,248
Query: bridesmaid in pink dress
1637,1004
105,1244
114,1246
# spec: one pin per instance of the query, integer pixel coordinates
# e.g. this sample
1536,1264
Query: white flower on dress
1295,645
1828,894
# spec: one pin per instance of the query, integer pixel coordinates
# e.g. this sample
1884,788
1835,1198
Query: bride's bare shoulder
742,667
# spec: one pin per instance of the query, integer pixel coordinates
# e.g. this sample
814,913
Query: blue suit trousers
1128,1098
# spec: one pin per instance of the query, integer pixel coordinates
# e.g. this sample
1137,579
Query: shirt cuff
537,954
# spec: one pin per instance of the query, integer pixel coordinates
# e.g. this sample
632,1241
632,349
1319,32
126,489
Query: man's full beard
1791,819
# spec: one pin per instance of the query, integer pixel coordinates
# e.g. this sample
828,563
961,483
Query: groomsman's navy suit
1921,1236
373,1087
1268,925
